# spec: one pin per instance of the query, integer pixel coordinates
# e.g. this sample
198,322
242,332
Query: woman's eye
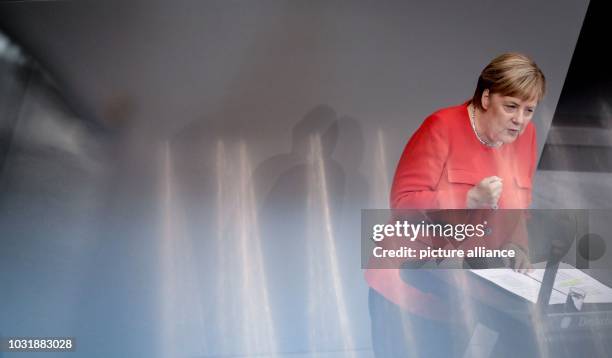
510,107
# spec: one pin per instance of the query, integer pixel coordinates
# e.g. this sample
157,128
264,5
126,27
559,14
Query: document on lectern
528,285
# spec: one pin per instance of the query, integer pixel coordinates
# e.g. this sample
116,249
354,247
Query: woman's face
506,117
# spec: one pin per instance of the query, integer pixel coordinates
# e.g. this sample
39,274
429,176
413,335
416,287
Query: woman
480,154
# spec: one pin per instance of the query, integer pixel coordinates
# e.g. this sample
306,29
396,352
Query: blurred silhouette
291,214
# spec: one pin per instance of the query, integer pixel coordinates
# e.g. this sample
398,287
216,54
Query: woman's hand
520,262
485,194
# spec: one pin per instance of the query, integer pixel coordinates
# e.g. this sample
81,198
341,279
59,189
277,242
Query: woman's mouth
513,132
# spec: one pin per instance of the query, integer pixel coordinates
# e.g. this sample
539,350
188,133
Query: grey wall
258,67
237,127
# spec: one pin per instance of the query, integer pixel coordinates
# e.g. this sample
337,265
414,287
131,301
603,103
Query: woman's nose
519,118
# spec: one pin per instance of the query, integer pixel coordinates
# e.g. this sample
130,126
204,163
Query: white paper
518,283
569,276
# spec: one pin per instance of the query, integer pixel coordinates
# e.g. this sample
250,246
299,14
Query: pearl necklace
472,114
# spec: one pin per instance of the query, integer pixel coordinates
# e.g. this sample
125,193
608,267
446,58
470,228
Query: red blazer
441,162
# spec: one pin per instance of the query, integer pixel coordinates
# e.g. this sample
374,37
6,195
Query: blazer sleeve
520,237
420,168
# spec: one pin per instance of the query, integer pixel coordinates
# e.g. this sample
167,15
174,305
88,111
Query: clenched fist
485,194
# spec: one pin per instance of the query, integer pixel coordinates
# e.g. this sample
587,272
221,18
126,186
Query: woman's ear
484,100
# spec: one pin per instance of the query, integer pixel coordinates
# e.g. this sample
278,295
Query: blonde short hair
511,74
